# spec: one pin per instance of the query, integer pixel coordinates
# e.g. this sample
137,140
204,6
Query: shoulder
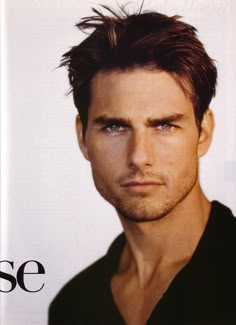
221,279
76,295
80,295
224,223
82,281
96,273
218,245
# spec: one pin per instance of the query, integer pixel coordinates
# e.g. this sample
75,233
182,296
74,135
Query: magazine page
54,221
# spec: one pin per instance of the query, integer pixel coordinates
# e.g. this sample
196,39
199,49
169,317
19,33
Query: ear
80,137
207,127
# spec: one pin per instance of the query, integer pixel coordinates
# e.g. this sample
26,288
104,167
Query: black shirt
202,293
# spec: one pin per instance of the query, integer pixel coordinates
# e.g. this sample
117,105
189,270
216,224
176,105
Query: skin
143,145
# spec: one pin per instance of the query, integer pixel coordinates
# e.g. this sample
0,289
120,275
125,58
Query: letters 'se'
20,276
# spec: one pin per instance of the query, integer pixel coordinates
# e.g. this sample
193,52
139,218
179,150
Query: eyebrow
104,120
173,118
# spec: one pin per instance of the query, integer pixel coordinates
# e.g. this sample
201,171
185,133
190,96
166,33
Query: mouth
141,186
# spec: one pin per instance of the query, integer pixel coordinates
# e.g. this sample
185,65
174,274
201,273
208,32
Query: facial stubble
147,207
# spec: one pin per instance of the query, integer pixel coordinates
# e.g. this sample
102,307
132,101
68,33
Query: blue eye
114,128
165,127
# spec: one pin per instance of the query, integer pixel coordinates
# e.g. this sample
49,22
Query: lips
141,186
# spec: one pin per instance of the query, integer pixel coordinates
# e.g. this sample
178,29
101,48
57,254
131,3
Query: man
142,84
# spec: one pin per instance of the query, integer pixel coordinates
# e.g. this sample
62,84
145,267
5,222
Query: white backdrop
50,211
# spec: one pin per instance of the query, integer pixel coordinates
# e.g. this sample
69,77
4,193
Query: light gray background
50,210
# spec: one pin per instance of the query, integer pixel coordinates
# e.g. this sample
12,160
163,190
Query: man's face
142,141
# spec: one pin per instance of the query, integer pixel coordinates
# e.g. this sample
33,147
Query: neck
169,241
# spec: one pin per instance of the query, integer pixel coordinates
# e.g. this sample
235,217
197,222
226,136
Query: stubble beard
144,208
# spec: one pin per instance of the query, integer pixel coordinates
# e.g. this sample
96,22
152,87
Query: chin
144,213
139,219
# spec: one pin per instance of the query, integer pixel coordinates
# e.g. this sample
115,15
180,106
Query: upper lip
140,182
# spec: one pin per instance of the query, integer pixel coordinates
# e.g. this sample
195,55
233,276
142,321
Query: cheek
107,158
178,154
108,150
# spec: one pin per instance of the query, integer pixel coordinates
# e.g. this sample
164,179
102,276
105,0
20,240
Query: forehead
138,91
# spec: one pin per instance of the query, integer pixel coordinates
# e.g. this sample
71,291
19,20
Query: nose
141,153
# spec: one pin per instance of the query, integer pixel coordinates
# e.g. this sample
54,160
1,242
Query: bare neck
165,242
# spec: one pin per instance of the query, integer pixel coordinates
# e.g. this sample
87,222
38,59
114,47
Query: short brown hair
149,40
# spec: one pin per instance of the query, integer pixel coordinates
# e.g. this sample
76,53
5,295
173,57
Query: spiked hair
147,40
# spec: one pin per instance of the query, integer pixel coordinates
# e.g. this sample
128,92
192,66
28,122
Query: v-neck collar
202,254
